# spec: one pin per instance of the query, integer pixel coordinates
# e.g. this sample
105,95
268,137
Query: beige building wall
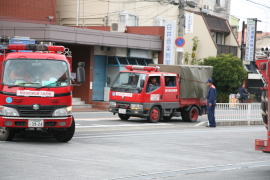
261,42
211,7
103,13
206,46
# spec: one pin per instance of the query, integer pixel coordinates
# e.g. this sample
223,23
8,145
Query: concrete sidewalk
234,123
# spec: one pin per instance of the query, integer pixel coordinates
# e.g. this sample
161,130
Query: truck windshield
36,73
127,80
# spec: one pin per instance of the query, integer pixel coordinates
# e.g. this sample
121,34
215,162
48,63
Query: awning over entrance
55,33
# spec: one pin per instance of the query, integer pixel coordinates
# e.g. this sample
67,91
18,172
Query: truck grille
27,110
123,105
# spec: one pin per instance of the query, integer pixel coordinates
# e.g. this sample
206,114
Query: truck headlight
136,106
62,111
112,104
7,111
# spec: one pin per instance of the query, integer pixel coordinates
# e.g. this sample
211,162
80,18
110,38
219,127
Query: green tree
228,74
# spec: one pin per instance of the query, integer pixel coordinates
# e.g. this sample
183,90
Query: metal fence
238,111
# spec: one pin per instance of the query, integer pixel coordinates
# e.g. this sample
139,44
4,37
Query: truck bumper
26,122
131,112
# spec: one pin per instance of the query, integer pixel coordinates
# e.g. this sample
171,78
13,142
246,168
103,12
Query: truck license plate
35,123
122,111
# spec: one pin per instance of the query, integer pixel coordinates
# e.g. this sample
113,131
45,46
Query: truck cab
36,92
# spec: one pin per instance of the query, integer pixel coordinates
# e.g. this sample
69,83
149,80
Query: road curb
239,123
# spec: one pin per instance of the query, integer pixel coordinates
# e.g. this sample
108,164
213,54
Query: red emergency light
145,68
35,47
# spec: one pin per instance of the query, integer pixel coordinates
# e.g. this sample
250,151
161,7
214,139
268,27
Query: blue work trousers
211,115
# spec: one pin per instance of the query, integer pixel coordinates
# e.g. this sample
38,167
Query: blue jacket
242,92
212,95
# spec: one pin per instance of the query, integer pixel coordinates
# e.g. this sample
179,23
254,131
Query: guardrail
238,111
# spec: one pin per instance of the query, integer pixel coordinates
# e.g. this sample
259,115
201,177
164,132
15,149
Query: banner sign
169,38
250,41
189,23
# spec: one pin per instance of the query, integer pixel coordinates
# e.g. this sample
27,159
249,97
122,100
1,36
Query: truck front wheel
154,115
6,134
64,136
191,115
123,116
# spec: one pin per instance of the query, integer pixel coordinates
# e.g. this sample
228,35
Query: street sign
180,42
179,49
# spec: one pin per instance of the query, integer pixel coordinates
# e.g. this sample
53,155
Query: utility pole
181,23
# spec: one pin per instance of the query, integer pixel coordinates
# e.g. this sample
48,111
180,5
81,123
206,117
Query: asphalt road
107,119
118,151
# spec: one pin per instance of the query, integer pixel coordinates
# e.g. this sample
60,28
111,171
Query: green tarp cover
193,78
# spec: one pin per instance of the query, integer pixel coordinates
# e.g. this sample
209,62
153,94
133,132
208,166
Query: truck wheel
123,116
191,115
154,115
6,134
64,136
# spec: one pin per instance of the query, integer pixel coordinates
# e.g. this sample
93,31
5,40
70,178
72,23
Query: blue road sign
180,42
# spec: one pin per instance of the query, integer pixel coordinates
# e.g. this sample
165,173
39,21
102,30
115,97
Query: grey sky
259,9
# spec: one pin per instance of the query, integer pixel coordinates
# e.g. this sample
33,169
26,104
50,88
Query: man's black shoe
210,126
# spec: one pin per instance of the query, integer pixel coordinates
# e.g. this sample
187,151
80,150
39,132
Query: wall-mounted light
50,18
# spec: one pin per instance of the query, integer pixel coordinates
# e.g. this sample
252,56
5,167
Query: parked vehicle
36,91
152,97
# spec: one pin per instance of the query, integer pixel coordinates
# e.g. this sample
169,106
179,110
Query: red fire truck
161,92
36,91
263,66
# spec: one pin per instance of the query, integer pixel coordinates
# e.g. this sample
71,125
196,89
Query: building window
219,37
129,19
235,31
159,21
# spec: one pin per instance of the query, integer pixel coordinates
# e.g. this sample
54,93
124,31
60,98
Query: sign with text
169,38
250,41
189,23
35,93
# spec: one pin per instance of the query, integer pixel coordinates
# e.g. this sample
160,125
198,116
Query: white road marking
200,123
99,119
124,125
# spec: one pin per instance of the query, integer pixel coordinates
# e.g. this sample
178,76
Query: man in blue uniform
211,103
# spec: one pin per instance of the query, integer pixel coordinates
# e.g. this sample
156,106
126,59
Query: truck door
154,88
170,91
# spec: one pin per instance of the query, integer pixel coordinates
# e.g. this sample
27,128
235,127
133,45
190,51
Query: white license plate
122,111
35,123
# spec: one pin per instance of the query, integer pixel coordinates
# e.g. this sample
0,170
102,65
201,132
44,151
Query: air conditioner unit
118,27
207,11
219,8
193,2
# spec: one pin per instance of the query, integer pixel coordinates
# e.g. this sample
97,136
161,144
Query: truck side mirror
141,83
108,80
80,72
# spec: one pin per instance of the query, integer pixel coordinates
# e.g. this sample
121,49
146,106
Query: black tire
6,134
154,115
123,116
191,115
65,136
